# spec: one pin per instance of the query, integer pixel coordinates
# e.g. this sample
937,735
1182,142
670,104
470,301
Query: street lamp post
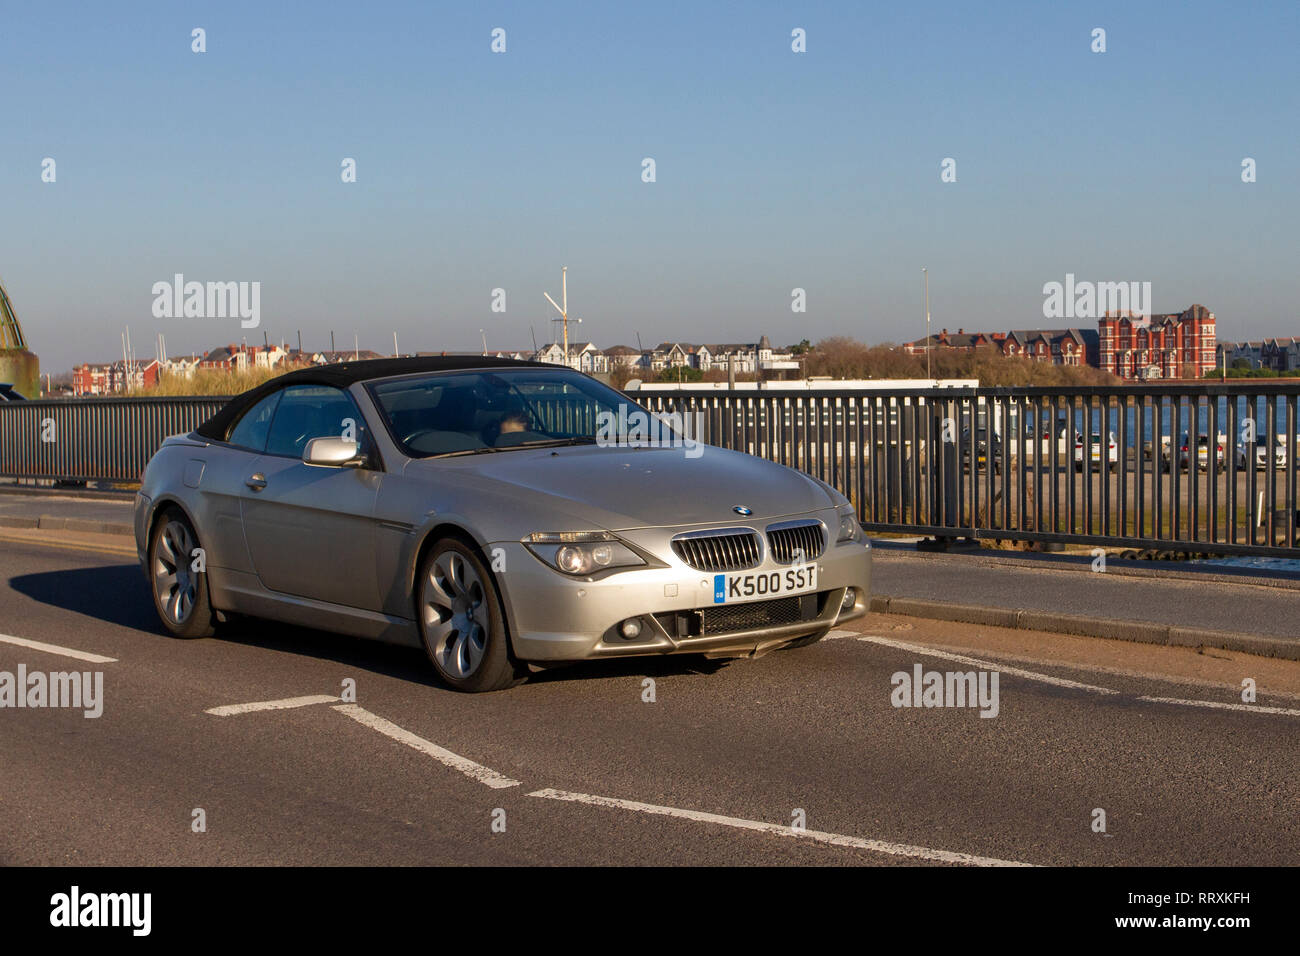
925,272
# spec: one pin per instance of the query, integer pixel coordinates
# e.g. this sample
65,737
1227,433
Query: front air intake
723,550
796,541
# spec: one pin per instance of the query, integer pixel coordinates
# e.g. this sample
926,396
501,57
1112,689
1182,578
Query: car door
310,529
221,472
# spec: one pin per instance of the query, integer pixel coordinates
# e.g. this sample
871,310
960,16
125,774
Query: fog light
630,629
850,595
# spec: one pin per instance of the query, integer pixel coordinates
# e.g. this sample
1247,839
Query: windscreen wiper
545,442
467,451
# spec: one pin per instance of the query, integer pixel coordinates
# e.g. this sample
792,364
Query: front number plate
760,585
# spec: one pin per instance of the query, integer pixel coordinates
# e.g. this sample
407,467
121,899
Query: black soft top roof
347,373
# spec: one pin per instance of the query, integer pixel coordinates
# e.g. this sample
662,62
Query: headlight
581,553
850,529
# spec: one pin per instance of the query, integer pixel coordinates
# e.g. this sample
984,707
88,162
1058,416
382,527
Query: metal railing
1021,464
93,439
1017,464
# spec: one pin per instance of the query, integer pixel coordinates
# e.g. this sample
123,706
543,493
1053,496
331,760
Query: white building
583,356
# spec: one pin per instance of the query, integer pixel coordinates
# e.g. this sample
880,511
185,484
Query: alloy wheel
453,601
175,583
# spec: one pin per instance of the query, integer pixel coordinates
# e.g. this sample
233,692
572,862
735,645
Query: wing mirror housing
332,452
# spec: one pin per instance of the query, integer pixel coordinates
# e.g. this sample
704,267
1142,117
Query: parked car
1202,453
9,394
1058,432
983,449
498,514
1156,454
1095,453
1261,456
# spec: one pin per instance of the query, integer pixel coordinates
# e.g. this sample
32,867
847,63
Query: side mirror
331,452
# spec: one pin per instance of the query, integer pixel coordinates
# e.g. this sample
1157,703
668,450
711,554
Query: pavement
800,757
1182,603
105,514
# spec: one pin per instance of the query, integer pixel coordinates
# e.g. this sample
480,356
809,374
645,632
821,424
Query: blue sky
775,170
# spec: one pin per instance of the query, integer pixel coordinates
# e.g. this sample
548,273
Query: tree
680,373
620,374
843,357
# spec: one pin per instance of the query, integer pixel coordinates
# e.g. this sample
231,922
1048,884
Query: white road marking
55,649
840,634
777,829
229,710
475,771
989,665
1252,708
1061,682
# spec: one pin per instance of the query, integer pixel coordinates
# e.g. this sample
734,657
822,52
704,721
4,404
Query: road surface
799,757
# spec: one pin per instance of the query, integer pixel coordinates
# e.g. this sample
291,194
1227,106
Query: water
1253,408
1271,565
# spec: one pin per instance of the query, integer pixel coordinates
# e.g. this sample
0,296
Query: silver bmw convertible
502,515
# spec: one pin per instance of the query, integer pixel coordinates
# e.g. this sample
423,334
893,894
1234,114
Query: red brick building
113,377
959,341
229,358
1175,345
1057,346
90,379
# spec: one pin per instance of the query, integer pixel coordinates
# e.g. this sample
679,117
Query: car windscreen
460,413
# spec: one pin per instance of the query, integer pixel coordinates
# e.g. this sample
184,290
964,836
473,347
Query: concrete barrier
56,523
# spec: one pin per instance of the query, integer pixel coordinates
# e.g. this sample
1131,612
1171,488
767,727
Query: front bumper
1262,463
556,618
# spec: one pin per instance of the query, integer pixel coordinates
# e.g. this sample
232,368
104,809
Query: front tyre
180,593
461,621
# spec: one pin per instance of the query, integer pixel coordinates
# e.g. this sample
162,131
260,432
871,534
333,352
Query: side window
314,411
255,425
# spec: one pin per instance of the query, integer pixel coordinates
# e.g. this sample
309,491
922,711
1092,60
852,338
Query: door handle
256,481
